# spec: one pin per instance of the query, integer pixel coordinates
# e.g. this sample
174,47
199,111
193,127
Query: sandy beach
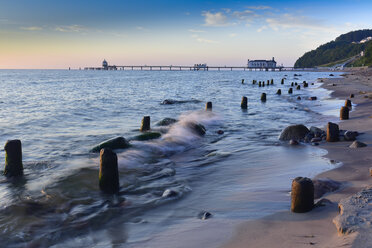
316,228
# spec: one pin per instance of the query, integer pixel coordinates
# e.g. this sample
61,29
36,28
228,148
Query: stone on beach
166,122
145,124
293,142
357,144
333,132
324,186
197,128
302,195
296,132
344,113
244,103
204,215
350,135
147,136
13,158
115,143
108,171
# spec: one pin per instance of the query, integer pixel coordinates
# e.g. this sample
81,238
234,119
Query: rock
316,131
145,124
169,193
313,98
324,186
204,215
316,139
344,113
168,101
308,137
357,144
13,158
208,106
351,95
298,98
108,171
315,144
147,136
293,142
302,195
296,132
244,103
197,128
331,75
332,132
115,143
166,122
355,213
220,132
350,135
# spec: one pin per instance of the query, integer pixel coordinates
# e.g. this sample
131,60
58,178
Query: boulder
220,132
316,139
296,132
166,122
197,128
169,193
324,186
313,98
293,142
357,144
308,137
316,131
147,136
350,135
115,143
204,215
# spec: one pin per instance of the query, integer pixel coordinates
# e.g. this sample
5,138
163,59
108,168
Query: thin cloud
287,21
196,31
245,15
32,28
71,29
203,40
259,7
217,19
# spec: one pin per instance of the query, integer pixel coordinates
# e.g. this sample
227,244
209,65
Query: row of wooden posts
302,196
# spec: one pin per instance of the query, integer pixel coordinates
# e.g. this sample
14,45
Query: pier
192,68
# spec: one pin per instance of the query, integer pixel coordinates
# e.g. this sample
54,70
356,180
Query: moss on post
108,171
13,158
145,125
302,195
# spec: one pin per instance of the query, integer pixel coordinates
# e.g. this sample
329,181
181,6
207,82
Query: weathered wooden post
290,91
263,97
292,84
259,84
344,113
244,104
108,171
282,82
242,81
145,125
302,195
208,106
272,81
333,132
13,158
348,103
351,95
298,87
279,92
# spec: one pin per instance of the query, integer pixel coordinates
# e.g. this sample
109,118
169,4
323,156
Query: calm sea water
243,174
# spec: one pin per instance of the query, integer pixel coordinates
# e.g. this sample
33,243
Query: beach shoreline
316,228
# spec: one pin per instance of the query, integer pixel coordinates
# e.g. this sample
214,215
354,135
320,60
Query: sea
237,171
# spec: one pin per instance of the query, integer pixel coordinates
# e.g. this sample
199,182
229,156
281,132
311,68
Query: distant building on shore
105,65
262,63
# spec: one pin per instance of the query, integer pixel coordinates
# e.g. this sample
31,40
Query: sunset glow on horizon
60,34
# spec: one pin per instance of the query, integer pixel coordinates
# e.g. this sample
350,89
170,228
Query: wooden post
208,106
263,97
108,171
145,125
344,113
13,158
244,103
302,195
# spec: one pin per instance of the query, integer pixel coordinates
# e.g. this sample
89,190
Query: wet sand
316,228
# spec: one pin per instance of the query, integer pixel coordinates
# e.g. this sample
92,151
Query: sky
51,34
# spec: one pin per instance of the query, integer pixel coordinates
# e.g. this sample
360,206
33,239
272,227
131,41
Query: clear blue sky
59,34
